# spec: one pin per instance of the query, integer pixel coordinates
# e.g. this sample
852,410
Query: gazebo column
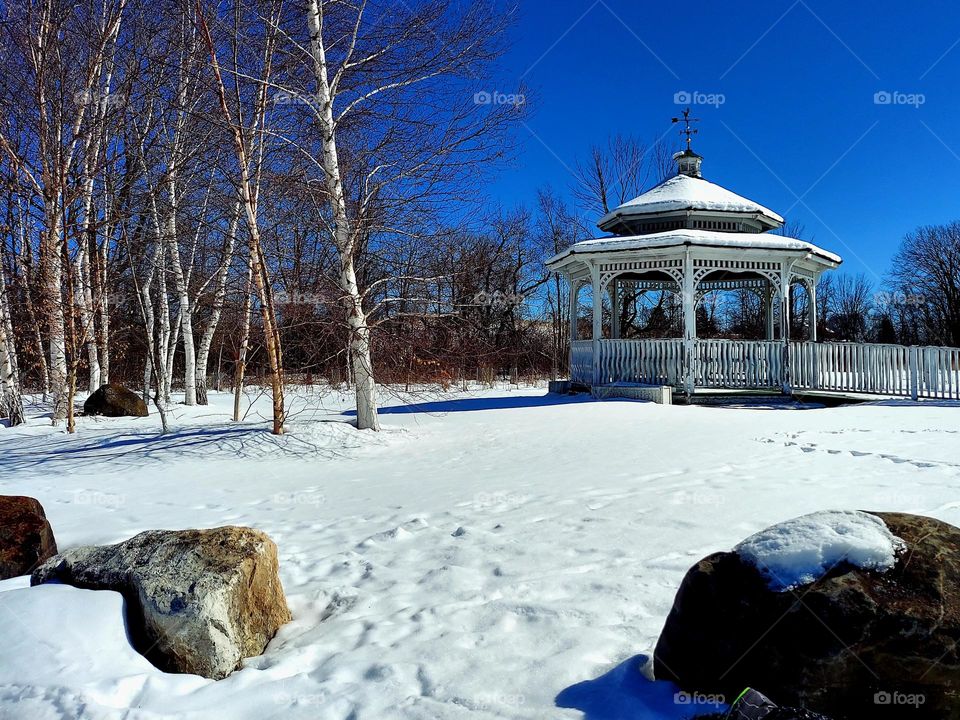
785,325
812,309
689,325
572,319
574,290
597,320
768,309
614,310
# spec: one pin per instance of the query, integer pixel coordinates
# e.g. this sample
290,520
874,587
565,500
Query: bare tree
925,281
849,304
248,147
396,122
619,171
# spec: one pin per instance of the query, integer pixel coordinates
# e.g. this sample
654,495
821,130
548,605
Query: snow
683,192
802,550
703,238
499,554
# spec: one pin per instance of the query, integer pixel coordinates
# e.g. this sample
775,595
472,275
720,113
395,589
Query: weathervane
686,119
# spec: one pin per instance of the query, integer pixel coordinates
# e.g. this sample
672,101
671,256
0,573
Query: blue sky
799,129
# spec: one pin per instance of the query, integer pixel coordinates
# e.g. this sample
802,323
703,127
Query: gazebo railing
738,364
654,362
876,369
866,368
581,361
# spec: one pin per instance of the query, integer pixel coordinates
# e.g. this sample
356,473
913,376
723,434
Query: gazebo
688,236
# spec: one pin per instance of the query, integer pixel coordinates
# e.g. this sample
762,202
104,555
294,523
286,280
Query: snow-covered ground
500,554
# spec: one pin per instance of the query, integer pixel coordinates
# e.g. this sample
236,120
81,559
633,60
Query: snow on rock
802,550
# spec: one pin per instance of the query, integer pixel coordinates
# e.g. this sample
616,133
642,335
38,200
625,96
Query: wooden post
597,320
614,310
768,310
785,326
812,310
574,289
689,325
914,372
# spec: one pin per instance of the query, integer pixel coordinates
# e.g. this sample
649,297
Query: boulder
26,538
198,601
115,401
852,644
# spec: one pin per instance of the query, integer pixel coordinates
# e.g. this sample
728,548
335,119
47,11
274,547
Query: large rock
853,644
26,538
115,401
198,601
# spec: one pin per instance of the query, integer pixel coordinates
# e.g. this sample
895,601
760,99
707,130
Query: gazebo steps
741,399
660,394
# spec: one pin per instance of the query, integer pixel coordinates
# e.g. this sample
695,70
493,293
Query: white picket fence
898,370
874,369
738,364
581,361
656,362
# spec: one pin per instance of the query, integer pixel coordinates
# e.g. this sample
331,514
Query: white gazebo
689,236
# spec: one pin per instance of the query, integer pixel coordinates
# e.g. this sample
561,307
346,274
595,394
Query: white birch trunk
166,348
22,264
220,293
344,233
56,327
185,313
244,344
11,403
84,303
103,309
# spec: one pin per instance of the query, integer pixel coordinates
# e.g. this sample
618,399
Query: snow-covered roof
701,238
684,192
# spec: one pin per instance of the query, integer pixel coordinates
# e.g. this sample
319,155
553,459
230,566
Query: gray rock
198,601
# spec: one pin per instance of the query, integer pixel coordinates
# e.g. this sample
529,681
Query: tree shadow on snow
481,403
626,693
131,448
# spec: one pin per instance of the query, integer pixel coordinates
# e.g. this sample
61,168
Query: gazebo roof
685,192
698,238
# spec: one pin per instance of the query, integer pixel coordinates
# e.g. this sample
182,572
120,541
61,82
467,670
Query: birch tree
248,146
397,121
